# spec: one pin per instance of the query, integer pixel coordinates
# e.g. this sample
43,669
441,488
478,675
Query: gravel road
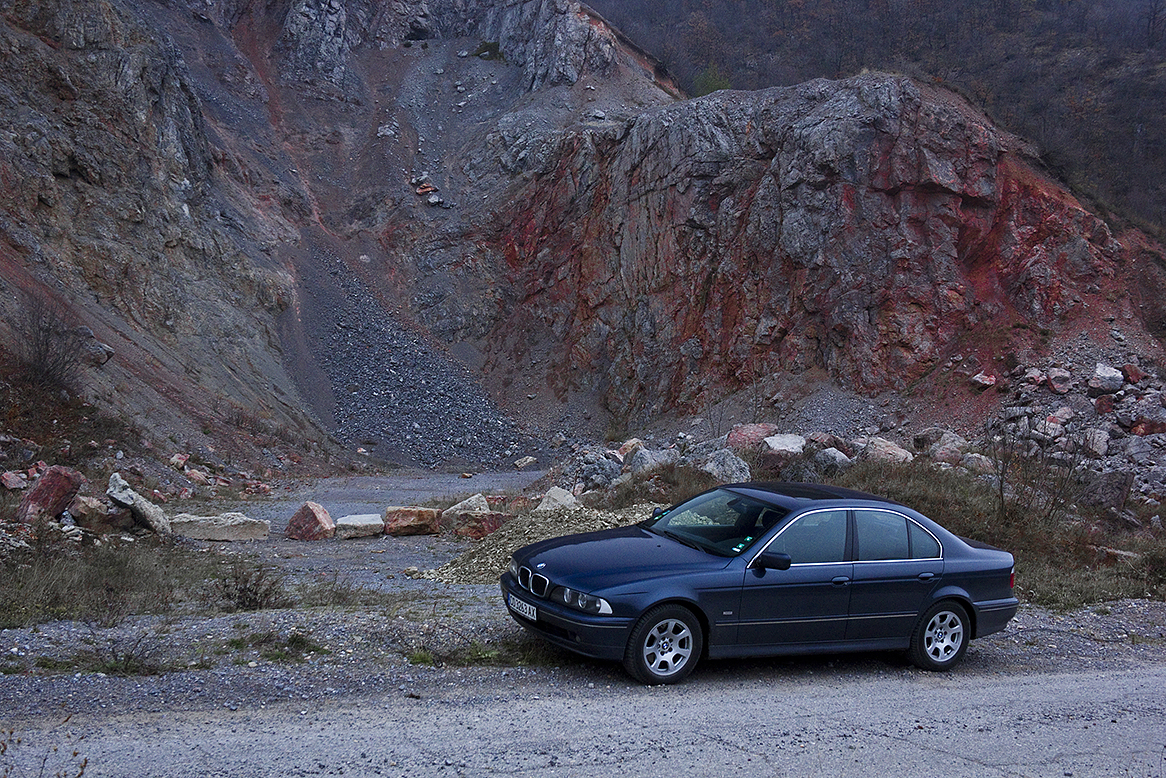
1076,694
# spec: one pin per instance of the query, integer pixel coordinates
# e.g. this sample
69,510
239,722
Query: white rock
360,525
785,444
476,504
143,510
225,527
555,499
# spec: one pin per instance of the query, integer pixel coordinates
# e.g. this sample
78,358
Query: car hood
600,560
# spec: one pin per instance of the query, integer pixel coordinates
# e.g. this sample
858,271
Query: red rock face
865,227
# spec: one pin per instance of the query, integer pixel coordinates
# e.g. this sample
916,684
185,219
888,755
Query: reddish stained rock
746,437
1060,381
50,496
1104,404
1132,373
310,522
476,526
411,521
13,481
983,380
95,515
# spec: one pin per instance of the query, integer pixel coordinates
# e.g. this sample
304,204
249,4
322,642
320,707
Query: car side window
814,538
881,535
923,545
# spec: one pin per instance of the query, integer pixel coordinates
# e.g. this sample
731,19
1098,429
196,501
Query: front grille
535,583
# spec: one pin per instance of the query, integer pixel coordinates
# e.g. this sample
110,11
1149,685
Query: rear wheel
941,638
665,645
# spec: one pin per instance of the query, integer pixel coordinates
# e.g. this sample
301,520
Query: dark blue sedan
758,570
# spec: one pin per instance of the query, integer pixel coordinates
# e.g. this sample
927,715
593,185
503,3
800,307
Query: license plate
523,609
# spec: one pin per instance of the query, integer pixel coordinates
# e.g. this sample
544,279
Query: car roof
793,495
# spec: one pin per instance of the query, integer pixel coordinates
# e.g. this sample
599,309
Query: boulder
50,495
977,463
629,448
1095,443
830,460
644,461
1034,376
225,527
883,450
1107,490
557,498
949,448
411,521
1104,404
1132,373
525,463
776,450
829,440
476,526
144,511
1105,380
13,481
478,503
726,467
310,522
982,381
97,516
360,525
748,437
1144,416
597,470
1060,380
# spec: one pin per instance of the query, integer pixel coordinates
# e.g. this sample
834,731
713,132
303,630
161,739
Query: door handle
926,576
840,580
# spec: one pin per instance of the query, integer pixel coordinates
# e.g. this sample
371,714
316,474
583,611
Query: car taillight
1012,579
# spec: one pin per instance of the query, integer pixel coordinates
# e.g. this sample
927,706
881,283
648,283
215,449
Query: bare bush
1034,479
48,346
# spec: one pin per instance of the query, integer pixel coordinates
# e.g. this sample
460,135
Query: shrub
248,586
48,345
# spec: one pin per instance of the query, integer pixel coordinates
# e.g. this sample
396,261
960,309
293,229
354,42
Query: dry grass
1062,559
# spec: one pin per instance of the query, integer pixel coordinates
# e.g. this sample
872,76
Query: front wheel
941,638
664,646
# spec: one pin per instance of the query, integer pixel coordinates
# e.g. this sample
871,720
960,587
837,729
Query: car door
807,603
897,564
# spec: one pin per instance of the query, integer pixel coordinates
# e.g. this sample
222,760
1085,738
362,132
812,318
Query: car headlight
588,603
514,568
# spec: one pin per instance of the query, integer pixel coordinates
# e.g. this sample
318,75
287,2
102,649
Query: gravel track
356,704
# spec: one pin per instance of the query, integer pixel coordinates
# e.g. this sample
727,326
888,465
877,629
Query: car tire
664,646
941,637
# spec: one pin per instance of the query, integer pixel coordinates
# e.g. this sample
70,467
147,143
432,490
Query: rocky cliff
427,227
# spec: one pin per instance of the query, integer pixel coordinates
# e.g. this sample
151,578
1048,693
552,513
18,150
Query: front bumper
601,637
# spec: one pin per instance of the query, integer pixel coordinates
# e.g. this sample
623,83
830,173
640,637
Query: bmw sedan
761,569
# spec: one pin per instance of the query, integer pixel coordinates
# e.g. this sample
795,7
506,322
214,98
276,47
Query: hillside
1084,80
442,232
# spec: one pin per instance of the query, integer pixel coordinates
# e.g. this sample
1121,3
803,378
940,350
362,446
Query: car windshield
719,522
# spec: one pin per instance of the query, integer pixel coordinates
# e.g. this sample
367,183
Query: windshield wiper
680,539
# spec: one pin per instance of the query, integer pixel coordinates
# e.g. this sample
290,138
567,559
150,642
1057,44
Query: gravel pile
402,397
489,557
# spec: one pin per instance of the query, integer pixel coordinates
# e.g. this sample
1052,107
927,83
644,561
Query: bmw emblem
541,565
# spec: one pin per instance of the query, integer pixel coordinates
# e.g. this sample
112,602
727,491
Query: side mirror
773,560
657,512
